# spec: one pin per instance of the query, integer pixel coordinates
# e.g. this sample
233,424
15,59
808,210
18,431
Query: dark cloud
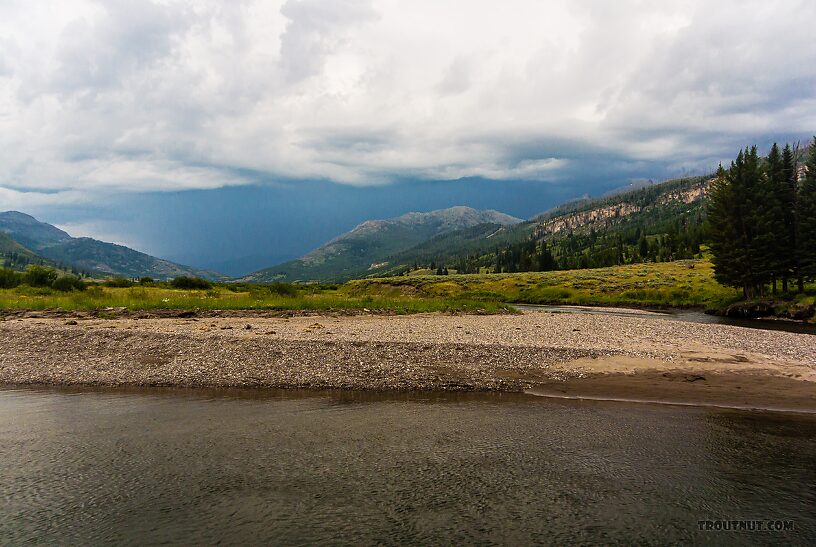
557,98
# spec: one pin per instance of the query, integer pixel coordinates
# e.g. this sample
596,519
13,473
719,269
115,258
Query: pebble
417,352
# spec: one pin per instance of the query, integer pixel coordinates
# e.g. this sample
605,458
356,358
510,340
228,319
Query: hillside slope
30,232
368,247
90,255
663,220
15,256
452,247
605,212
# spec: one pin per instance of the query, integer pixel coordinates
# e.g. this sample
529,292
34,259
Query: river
83,466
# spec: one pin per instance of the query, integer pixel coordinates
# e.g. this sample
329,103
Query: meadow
679,284
257,297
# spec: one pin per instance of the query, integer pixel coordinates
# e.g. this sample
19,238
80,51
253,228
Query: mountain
30,232
658,222
661,222
369,246
15,256
610,209
581,232
89,255
451,247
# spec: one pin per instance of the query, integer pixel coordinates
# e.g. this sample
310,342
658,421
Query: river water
259,467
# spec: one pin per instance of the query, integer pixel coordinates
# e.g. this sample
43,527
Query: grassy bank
219,298
685,283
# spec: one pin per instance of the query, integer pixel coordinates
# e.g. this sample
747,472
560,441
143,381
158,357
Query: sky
234,135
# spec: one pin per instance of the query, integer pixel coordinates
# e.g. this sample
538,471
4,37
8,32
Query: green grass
685,283
153,298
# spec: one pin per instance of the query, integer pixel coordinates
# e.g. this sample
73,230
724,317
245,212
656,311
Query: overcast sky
516,103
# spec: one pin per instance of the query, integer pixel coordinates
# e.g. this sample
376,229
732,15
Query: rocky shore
794,311
548,353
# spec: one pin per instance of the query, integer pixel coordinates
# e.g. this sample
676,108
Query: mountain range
466,238
24,240
367,248
460,234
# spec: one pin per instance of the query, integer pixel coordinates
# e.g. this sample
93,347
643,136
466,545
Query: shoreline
625,308
632,397
676,388
574,355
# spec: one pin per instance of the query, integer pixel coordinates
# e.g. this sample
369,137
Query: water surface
182,467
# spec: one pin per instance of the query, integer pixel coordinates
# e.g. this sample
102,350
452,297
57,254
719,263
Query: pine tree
722,221
643,248
733,217
789,205
806,208
774,247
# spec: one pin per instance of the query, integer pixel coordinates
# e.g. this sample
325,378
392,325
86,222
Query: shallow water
176,466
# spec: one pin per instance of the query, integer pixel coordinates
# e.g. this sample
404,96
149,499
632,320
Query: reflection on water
287,467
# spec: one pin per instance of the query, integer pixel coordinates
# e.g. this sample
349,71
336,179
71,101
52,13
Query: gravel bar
375,352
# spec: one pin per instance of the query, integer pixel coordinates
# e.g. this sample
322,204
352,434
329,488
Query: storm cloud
178,126
172,95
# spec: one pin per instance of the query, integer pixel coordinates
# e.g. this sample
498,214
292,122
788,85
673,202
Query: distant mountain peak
456,214
17,215
373,241
30,232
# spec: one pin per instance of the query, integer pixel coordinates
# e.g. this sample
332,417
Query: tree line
38,276
762,218
665,237
17,261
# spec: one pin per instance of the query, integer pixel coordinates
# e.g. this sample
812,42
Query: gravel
417,352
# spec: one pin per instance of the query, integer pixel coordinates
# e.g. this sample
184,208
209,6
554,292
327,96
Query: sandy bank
634,357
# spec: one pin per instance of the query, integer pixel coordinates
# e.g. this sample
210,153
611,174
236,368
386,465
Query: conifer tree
643,248
788,199
752,203
733,217
806,206
773,243
722,221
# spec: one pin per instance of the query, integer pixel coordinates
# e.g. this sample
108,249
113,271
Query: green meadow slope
367,248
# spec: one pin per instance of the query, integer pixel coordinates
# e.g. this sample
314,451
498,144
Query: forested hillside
658,223
372,245
15,256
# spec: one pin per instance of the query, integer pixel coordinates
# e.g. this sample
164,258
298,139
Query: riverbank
569,354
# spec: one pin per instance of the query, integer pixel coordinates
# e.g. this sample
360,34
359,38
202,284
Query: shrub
283,289
119,282
137,293
95,291
184,282
146,280
39,276
9,278
68,283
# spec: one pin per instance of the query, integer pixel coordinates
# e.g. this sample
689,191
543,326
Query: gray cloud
124,41
317,28
144,96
